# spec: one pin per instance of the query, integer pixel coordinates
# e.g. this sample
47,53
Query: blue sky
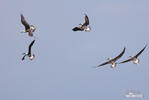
63,66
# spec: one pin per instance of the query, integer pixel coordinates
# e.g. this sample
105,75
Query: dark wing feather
24,22
23,57
104,64
86,20
140,52
120,55
126,61
77,29
30,46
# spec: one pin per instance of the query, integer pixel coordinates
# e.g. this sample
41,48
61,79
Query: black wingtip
145,46
33,41
23,57
124,49
21,15
75,29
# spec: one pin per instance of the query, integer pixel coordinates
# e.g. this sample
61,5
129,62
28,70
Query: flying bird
134,58
28,28
84,26
31,57
113,61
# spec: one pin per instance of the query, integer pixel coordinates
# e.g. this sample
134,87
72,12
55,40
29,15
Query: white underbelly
88,29
135,61
31,58
113,65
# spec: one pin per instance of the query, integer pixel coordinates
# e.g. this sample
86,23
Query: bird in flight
84,26
28,28
31,57
113,61
134,58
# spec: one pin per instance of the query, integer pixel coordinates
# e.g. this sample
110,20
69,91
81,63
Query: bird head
32,27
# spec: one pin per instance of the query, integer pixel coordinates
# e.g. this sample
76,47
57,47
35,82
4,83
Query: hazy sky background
63,66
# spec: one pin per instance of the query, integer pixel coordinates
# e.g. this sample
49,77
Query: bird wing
23,57
120,55
140,51
77,29
126,61
24,22
104,64
86,20
30,46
